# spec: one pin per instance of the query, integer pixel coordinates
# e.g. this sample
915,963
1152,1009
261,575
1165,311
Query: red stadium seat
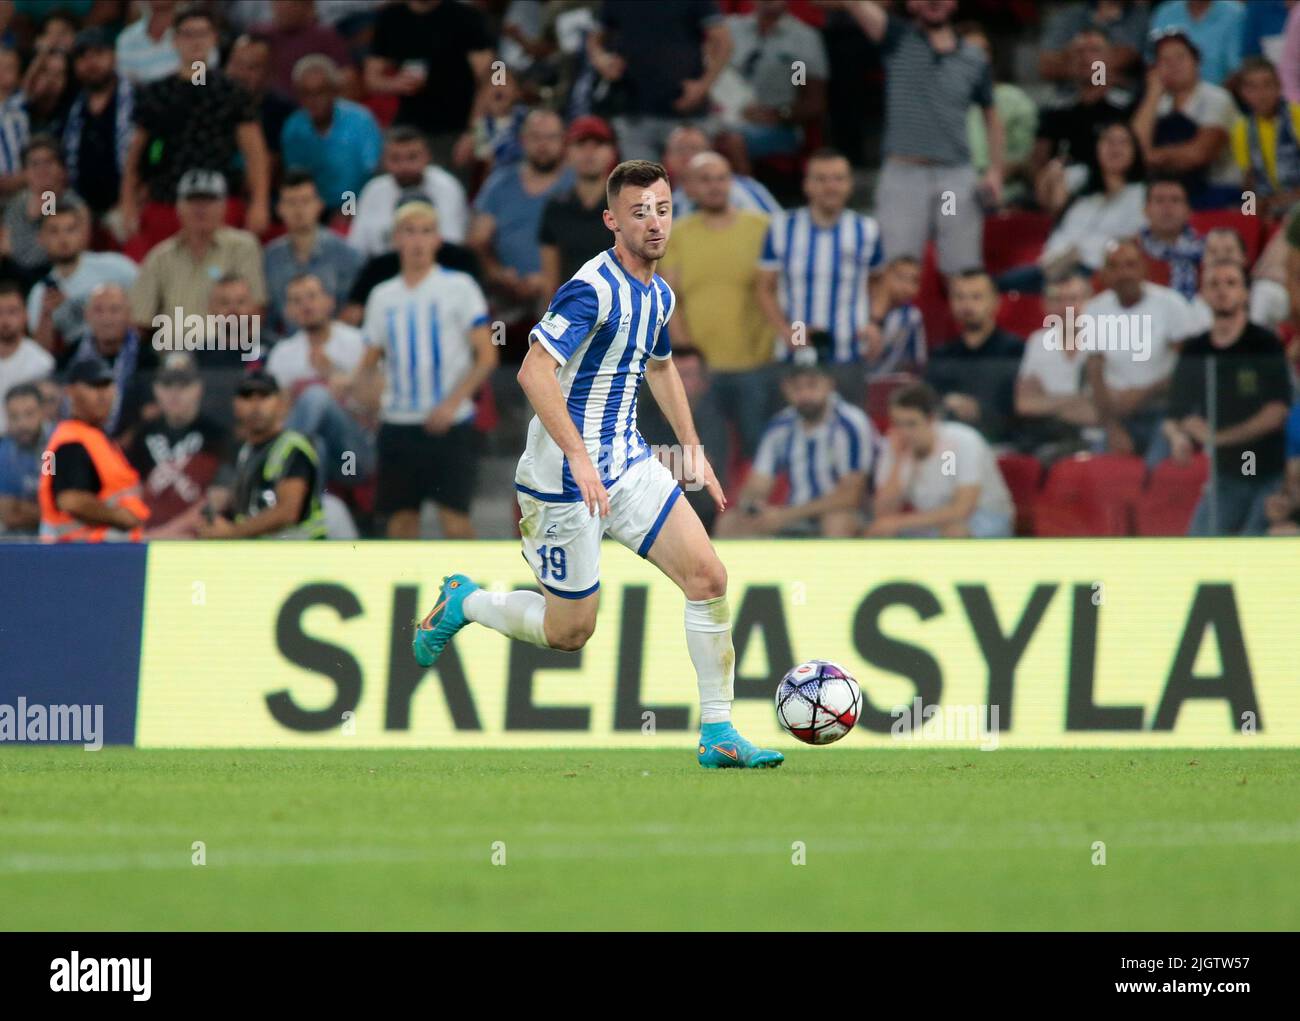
1251,228
1165,507
1022,314
1014,239
879,390
1024,476
1089,495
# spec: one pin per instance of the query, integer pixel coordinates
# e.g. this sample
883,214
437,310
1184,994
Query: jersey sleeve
663,346
571,316
475,304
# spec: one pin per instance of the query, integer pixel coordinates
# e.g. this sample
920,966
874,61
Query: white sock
708,640
514,614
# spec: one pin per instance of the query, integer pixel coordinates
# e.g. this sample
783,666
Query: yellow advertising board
1122,642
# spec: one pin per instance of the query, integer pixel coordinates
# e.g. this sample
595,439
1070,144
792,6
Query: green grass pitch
645,840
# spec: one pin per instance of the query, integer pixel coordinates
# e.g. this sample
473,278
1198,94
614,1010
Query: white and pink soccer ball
818,702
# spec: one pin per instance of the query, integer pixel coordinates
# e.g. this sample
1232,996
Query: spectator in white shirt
1052,399
315,366
407,166
945,471
1138,326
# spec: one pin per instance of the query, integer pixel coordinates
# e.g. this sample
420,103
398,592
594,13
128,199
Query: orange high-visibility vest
119,485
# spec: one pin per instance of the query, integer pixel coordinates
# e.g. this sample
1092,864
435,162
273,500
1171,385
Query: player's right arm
537,377
573,313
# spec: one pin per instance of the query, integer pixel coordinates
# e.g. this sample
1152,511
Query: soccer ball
818,702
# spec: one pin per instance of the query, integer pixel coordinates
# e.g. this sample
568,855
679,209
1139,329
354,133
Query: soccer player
587,472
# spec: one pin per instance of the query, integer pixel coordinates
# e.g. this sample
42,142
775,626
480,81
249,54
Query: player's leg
546,619
562,545
648,515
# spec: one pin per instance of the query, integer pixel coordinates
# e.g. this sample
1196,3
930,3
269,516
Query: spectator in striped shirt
14,127
812,281
687,142
928,186
824,448
1169,235
896,336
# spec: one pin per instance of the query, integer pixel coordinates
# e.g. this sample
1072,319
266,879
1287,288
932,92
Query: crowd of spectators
266,266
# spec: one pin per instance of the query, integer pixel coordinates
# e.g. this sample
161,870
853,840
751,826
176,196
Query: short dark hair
916,396
12,287
826,152
977,273
637,173
1256,63
1219,264
1159,179
903,260
42,140
23,390
232,278
296,177
299,278
188,12
403,133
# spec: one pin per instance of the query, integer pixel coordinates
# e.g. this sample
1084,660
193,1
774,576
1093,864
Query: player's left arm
670,395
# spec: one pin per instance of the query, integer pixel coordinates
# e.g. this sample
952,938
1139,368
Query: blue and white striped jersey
822,274
424,331
815,457
601,327
902,333
746,193
15,130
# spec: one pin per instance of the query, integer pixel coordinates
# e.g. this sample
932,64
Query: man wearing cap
180,454
276,493
97,133
180,272
429,325
91,493
573,222
1183,124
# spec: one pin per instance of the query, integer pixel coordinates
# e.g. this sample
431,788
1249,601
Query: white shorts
562,540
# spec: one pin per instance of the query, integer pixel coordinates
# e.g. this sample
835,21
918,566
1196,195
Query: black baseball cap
92,371
258,382
178,367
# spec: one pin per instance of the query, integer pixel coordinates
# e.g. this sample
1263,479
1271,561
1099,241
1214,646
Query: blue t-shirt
20,468
518,216
343,158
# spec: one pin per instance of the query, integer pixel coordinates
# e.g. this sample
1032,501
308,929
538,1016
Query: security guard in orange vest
88,491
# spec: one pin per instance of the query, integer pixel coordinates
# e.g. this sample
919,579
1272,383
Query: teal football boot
446,618
722,747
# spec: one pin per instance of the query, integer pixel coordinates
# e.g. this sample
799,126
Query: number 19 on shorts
553,562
